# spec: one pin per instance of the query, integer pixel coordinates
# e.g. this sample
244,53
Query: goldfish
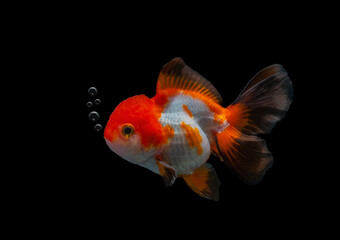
174,133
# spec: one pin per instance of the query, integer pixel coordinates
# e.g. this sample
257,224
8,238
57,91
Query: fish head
133,130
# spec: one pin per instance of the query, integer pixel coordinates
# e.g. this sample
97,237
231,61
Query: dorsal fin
177,75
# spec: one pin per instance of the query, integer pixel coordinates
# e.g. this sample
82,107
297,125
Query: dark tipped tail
263,102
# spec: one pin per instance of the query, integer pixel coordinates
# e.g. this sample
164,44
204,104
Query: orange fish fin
263,102
247,156
166,171
176,75
204,182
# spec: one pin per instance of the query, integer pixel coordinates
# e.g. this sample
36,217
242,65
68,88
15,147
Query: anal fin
204,182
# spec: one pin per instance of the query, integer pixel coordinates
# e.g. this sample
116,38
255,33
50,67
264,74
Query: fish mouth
117,148
132,153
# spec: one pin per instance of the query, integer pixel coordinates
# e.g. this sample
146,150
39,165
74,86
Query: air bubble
89,104
98,127
92,91
93,116
97,101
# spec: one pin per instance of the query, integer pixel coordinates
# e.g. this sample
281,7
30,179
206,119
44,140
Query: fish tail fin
263,102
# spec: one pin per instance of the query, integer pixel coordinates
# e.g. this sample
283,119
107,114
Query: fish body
174,133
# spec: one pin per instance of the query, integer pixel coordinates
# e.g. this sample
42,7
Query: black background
83,186
103,183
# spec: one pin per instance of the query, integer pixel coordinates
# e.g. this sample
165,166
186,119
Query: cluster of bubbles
94,116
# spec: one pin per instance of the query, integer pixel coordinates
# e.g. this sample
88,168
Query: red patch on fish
141,112
186,109
193,136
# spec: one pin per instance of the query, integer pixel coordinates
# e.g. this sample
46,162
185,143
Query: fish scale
178,153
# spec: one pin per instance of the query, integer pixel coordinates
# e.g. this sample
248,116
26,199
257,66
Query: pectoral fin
204,182
167,172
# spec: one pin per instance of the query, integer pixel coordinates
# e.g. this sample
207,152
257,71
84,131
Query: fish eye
128,130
